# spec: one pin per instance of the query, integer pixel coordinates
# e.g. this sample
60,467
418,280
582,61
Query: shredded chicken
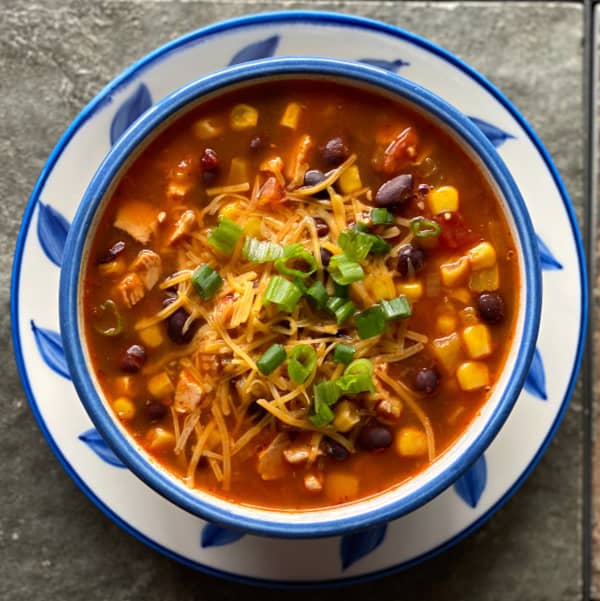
189,393
131,288
271,465
138,219
184,226
147,265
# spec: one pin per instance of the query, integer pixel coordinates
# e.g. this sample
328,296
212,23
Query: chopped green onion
296,253
261,251
302,362
300,283
355,244
362,226
323,417
424,228
381,217
357,377
341,308
396,308
206,281
105,308
344,270
380,246
344,353
271,359
317,294
341,290
283,293
359,366
225,236
326,393
370,322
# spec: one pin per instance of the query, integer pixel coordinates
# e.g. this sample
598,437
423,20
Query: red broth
300,294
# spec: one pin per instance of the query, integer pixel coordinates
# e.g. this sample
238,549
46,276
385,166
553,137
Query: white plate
163,526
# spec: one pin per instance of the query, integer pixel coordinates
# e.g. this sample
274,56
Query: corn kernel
455,273
446,324
482,256
151,336
350,180
160,385
205,129
485,280
411,442
124,385
341,486
448,350
243,116
477,341
346,416
462,295
380,286
112,268
412,290
472,375
124,408
238,171
160,440
443,200
468,316
253,226
231,210
291,115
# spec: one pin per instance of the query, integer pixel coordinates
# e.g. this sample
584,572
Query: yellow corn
350,180
238,171
112,268
160,440
462,295
341,486
243,116
472,375
160,385
411,442
124,385
446,324
151,336
346,416
468,316
455,273
231,210
380,285
485,279
477,341
124,408
253,226
412,290
482,256
206,129
448,350
291,115
443,200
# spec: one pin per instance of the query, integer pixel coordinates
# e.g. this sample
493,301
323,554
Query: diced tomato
271,192
400,151
455,234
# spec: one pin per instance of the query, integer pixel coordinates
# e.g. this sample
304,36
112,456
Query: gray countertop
54,544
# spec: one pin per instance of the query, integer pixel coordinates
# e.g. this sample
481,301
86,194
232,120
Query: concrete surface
54,544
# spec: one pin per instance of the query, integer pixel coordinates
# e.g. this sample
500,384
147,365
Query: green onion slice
261,251
359,366
370,322
381,216
317,293
396,308
301,363
206,281
424,228
107,311
294,253
326,394
341,308
344,353
225,236
355,244
282,293
358,377
271,359
322,417
344,270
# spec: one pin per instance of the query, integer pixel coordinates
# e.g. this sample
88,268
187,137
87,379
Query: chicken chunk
138,219
184,226
271,465
132,290
189,393
147,265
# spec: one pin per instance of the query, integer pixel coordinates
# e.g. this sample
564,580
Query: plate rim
103,97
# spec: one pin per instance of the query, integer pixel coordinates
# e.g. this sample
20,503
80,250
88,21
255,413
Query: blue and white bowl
387,505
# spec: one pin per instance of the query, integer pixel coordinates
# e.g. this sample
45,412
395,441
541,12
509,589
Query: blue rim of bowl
289,17
111,168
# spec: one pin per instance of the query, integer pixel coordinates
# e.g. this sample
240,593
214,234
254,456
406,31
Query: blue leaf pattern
547,259
261,49
383,64
357,545
217,536
93,440
535,383
471,484
494,134
52,229
129,111
49,344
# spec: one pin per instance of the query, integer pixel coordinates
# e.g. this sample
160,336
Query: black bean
374,437
112,253
258,143
335,151
133,358
325,257
175,324
209,160
427,379
321,226
395,191
155,410
491,307
410,259
335,450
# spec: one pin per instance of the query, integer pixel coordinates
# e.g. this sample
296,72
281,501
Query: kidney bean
133,358
321,226
395,191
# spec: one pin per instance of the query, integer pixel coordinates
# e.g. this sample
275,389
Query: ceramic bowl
386,505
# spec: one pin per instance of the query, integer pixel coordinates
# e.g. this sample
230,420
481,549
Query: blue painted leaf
383,64
49,344
216,536
261,49
93,440
129,111
471,484
535,383
52,229
494,134
359,544
547,259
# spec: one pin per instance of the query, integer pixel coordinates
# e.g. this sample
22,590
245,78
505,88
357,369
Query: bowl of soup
302,297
